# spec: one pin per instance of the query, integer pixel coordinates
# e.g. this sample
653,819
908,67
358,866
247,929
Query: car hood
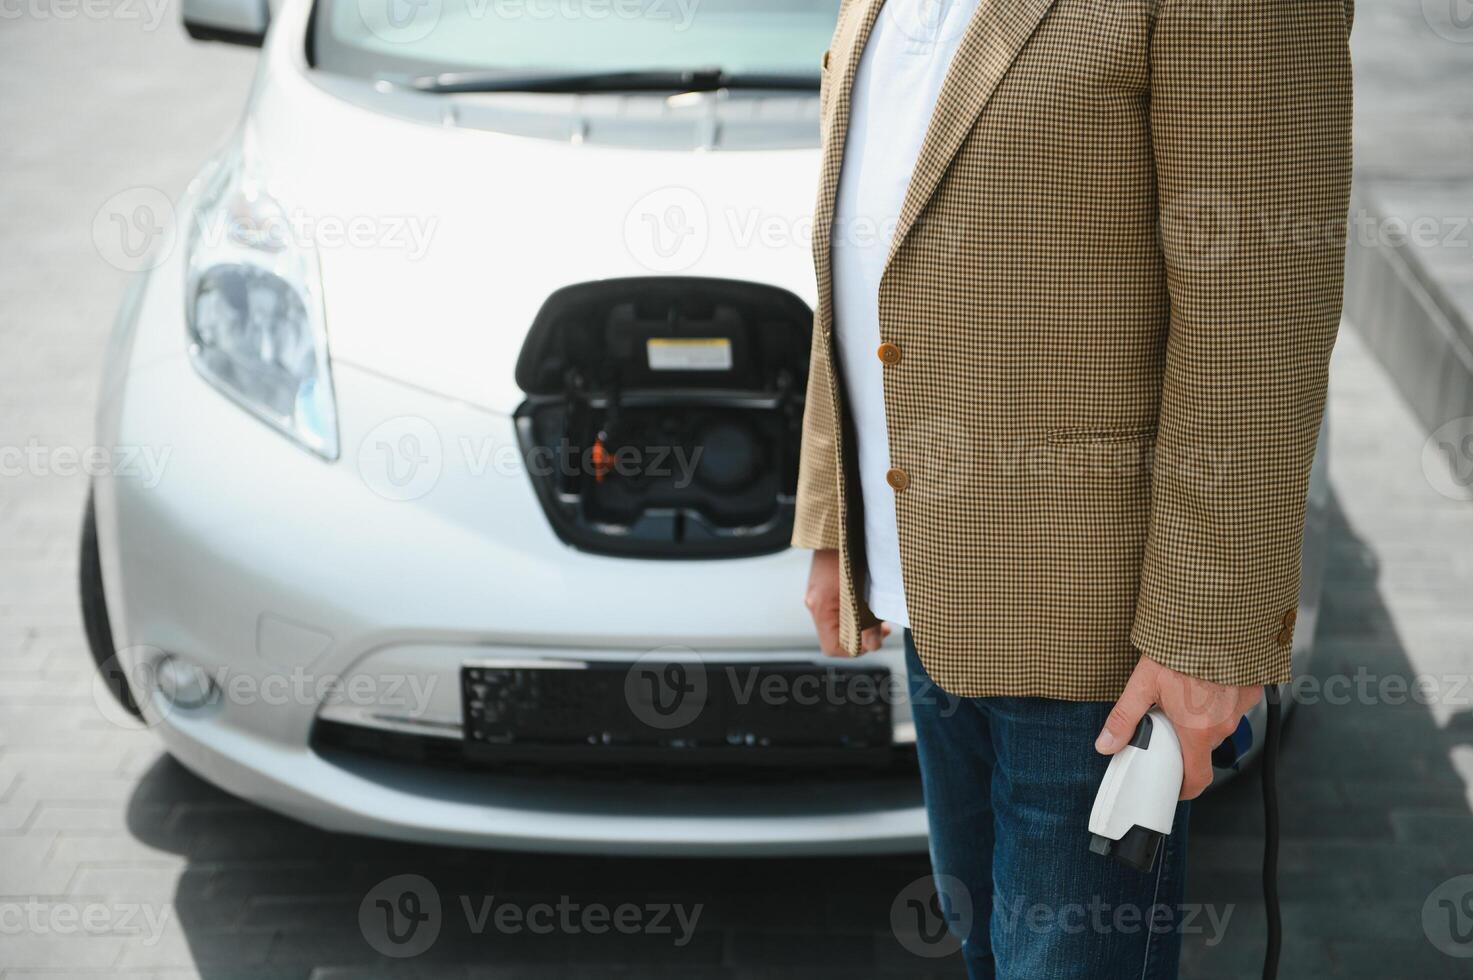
439,244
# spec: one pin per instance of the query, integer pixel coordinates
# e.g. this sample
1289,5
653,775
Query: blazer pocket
1120,455
1073,435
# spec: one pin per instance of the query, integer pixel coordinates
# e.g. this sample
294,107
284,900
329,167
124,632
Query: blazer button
889,354
897,478
1289,618
1285,637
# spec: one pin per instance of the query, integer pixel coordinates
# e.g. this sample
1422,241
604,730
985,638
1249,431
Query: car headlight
254,309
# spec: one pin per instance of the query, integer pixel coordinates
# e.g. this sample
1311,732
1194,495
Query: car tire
94,615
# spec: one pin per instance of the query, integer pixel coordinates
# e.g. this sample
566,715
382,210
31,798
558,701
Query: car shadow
1374,818
1373,815
265,896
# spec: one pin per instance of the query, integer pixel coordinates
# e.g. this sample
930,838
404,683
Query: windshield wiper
692,80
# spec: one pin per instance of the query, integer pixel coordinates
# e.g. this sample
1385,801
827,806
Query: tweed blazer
1107,314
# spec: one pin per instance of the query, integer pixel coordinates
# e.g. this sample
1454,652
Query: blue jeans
1009,783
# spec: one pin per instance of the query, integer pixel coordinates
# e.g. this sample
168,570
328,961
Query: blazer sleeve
1250,115
817,524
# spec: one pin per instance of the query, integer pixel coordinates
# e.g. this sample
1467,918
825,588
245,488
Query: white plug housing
1136,804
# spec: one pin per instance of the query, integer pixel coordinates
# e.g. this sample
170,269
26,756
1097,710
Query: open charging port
663,415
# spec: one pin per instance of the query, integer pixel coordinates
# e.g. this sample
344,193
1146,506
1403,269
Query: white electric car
471,375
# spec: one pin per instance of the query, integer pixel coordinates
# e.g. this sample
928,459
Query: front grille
601,764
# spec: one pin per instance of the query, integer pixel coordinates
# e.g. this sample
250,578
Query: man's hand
1203,714
822,600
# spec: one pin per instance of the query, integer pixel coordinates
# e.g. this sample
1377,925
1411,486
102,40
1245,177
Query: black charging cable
1271,832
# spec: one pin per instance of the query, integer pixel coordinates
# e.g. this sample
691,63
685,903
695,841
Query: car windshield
388,38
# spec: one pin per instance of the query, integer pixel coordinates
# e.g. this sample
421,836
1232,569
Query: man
1079,268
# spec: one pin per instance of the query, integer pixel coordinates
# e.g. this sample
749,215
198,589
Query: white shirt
895,88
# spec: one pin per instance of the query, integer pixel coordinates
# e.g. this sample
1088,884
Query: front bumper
421,548
471,809
224,544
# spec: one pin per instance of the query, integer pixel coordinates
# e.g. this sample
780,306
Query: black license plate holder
673,710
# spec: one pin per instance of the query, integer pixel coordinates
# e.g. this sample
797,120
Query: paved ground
114,861
1412,237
